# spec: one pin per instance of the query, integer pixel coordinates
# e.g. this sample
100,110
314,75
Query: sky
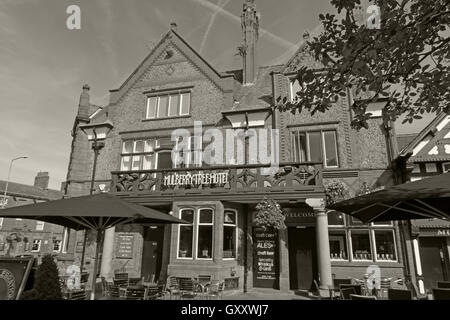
43,64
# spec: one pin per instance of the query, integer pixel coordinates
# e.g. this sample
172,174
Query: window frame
193,233
60,245
154,152
375,245
296,132
65,240
40,225
197,227
179,93
235,225
372,228
39,241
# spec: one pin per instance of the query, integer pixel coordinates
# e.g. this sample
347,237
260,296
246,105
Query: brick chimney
250,28
84,105
41,180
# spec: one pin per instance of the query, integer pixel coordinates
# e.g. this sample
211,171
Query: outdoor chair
346,292
360,297
113,291
152,293
135,293
443,284
441,294
385,285
161,289
188,289
84,279
399,294
121,279
215,290
356,287
204,281
173,287
79,294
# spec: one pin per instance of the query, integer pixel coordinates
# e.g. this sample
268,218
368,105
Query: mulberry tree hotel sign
193,179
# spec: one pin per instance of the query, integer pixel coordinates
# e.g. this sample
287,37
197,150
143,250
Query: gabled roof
223,81
28,191
432,143
302,57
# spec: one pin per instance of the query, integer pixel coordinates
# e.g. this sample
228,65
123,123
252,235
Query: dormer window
294,87
168,105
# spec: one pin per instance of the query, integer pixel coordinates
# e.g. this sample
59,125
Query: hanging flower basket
269,215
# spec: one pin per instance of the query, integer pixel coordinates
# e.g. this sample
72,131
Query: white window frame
39,243
198,224
339,225
375,245
235,232
350,233
169,98
60,245
40,225
343,232
322,140
193,233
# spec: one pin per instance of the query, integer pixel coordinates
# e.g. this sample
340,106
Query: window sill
167,118
366,263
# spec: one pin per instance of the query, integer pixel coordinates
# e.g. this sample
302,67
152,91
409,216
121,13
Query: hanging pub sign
193,179
125,243
14,274
266,271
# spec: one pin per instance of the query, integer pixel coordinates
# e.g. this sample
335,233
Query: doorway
152,252
303,267
434,259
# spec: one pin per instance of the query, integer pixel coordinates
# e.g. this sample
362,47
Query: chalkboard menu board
14,273
266,271
125,243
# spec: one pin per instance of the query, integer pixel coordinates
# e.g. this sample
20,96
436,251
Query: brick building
173,87
31,237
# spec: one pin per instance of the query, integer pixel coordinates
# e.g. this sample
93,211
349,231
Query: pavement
265,294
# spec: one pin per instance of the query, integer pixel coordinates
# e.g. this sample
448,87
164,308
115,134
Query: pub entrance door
152,252
303,267
434,260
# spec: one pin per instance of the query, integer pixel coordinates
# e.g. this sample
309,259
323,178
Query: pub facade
175,88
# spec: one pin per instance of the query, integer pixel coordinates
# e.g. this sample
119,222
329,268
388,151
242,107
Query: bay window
352,240
315,146
229,234
196,235
186,234
205,234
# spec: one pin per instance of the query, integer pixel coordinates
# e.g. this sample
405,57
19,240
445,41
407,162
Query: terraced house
172,88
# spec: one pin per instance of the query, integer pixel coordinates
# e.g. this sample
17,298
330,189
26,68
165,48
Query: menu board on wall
265,258
124,249
14,274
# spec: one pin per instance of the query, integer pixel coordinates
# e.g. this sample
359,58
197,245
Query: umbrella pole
97,251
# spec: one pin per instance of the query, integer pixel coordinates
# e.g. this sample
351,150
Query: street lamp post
96,133
4,201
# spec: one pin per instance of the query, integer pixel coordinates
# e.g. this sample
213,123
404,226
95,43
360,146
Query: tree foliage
46,285
404,64
336,191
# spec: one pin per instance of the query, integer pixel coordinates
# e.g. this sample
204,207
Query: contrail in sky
221,4
269,35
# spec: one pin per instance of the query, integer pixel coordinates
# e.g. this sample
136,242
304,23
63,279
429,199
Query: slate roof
28,191
257,95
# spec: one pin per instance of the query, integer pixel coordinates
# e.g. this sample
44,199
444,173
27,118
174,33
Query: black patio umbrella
426,198
94,212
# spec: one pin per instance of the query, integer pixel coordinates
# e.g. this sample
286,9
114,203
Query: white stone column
323,244
108,252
